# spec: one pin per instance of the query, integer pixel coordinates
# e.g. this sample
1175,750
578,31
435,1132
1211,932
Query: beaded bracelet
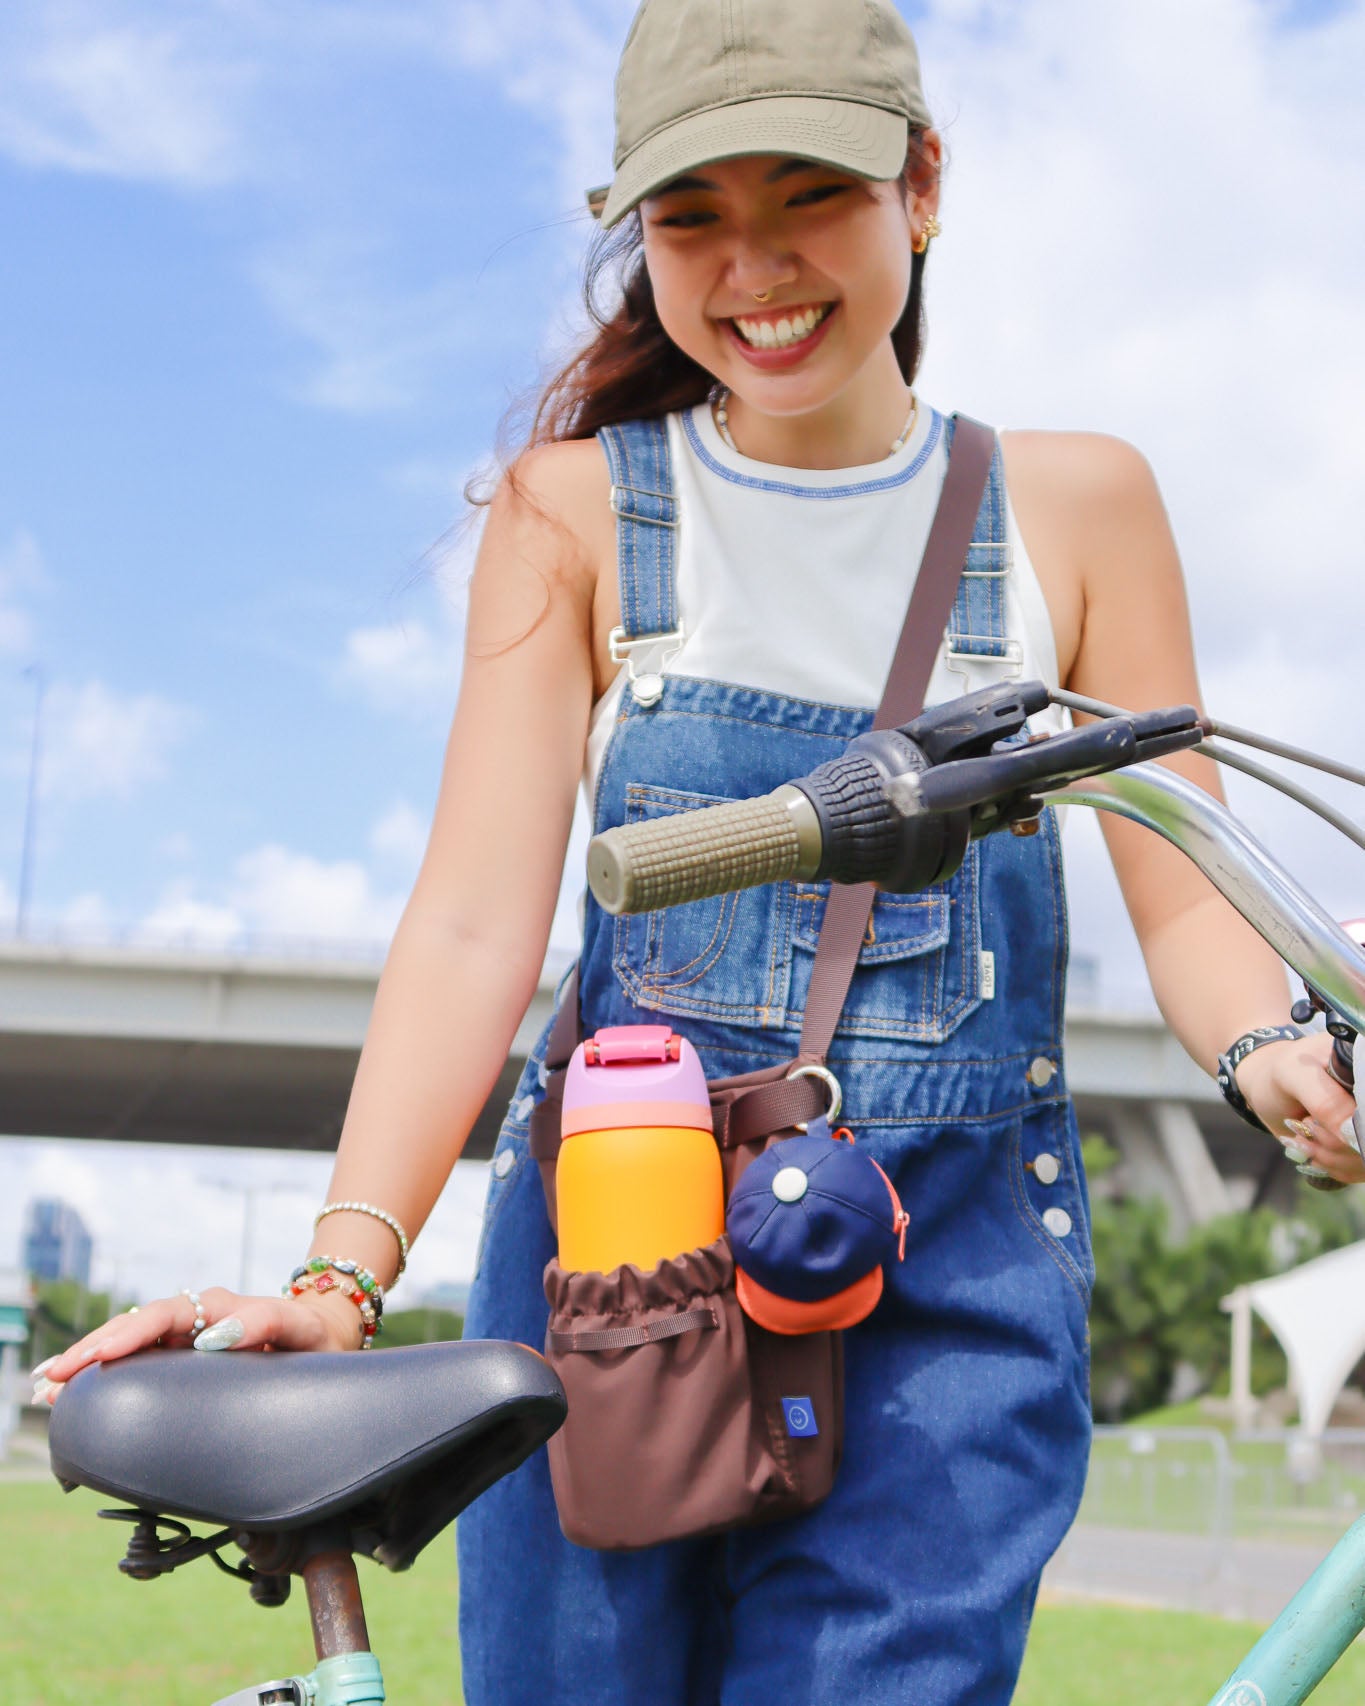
375,1214
357,1284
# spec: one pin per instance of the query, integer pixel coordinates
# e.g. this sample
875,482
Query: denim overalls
967,1404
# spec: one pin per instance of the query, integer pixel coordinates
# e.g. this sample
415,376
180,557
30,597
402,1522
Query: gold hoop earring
928,231
760,295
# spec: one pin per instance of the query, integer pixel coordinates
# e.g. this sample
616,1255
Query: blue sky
267,293
271,274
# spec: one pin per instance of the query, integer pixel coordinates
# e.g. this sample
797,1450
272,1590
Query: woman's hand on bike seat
214,1320
1289,1081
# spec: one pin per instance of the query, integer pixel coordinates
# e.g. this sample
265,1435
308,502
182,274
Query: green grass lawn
1105,1655
73,1632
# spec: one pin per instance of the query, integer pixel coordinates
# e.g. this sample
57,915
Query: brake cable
1217,750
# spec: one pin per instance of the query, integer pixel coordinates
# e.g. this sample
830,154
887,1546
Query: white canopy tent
1317,1312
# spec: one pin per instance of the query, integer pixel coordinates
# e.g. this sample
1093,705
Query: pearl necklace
720,411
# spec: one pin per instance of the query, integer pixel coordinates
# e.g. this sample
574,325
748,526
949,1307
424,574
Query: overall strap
978,627
955,524
646,511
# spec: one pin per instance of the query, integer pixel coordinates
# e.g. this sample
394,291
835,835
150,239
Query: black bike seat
396,1442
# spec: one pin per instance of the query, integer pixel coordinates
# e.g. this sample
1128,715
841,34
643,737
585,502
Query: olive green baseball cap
836,81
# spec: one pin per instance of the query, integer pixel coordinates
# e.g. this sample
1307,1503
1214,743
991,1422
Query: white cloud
556,60
410,667
281,892
140,101
87,913
377,343
181,916
99,741
277,892
401,835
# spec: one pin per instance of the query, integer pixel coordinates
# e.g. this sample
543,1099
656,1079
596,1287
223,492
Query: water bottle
638,1177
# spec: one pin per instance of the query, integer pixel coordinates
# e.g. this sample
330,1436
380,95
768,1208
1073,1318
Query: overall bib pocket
724,958
919,969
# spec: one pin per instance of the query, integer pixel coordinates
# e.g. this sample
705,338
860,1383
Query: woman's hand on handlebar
306,1323
1289,1081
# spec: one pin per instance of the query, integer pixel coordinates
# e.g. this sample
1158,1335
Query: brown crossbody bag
680,1417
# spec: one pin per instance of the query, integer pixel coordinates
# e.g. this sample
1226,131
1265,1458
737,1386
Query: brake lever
999,788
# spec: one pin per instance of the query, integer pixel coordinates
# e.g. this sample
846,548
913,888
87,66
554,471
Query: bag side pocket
666,1435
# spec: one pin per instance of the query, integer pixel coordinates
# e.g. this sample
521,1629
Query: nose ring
760,295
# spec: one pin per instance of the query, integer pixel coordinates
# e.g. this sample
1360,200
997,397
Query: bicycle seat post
333,1588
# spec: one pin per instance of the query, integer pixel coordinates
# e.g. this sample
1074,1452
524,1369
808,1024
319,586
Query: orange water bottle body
638,1177
641,1195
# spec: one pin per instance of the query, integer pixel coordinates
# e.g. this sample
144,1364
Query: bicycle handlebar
897,808
1277,908
901,805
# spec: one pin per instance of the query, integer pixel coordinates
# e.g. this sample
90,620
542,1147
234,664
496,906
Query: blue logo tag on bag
800,1414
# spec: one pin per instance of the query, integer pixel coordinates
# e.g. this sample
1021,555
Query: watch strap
1228,1063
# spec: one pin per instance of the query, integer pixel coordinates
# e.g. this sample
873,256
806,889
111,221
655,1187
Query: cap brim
850,135
785,1315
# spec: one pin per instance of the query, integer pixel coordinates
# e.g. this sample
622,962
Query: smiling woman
640,363
689,589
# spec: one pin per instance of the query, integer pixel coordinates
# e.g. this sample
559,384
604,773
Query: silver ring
830,1082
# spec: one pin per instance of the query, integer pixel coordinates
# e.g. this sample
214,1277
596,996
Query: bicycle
175,1434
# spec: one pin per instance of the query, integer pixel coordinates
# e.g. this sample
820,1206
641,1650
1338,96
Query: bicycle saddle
397,1442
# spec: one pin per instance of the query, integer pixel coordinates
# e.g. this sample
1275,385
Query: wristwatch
1228,1063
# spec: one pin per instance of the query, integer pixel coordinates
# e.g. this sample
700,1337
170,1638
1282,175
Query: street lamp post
248,1194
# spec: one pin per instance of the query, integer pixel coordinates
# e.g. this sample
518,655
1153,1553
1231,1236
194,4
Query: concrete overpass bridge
244,1049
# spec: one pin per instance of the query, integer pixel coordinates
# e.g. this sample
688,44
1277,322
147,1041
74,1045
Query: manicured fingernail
222,1335
1349,1135
1293,1153
1300,1128
44,1391
43,1366
1314,1172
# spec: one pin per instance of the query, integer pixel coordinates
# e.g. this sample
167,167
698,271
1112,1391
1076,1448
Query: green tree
419,1327
64,1311
1157,1305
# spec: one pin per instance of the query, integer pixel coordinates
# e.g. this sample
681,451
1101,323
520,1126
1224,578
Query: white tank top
796,580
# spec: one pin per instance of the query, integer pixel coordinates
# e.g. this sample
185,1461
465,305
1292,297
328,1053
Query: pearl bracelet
375,1214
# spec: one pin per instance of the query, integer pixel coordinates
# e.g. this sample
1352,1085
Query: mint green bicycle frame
1309,1635
350,1679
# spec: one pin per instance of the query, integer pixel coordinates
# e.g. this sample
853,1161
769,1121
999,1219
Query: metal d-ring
831,1083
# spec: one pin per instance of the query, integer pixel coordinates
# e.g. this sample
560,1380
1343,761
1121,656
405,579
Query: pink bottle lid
635,1075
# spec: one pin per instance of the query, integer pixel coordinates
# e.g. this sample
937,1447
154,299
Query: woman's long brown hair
630,369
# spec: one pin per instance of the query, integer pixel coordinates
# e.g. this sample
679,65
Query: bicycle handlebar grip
640,867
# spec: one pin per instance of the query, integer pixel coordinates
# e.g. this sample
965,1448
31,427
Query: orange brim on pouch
785,1315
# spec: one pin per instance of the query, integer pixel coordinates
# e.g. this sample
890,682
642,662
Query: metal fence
1197,1518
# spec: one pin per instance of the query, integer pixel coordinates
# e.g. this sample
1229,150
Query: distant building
56,1243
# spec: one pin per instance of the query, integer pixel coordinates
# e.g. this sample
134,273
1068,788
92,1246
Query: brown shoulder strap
931,604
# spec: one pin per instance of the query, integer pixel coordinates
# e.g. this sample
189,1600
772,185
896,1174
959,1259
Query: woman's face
831,251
